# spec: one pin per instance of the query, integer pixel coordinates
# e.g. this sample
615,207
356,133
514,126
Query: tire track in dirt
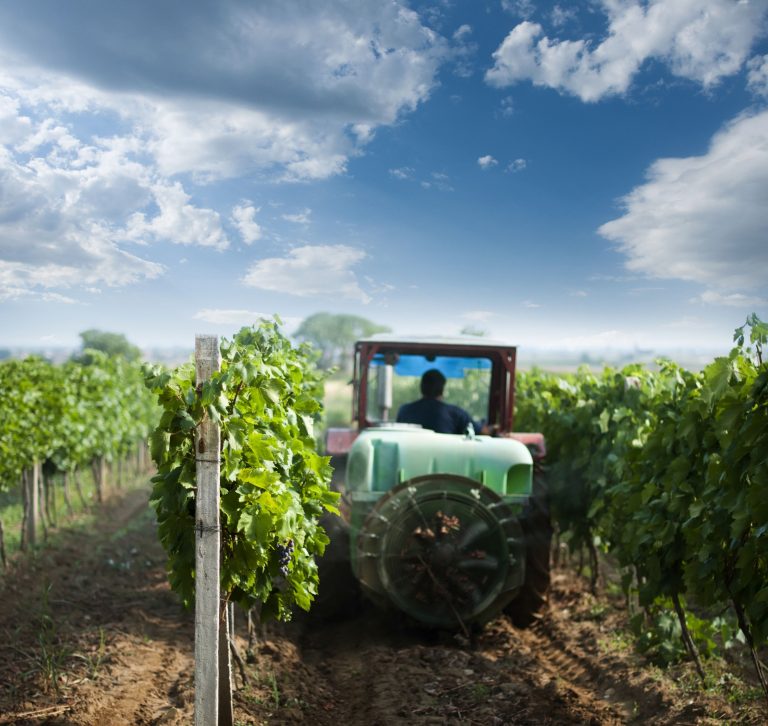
378,673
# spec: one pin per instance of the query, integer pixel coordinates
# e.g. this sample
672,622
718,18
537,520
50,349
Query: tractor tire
338,593
537,528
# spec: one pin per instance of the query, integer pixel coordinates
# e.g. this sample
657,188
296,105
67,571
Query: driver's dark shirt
432,413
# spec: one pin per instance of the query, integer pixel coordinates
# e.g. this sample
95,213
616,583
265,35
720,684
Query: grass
53,655
337,402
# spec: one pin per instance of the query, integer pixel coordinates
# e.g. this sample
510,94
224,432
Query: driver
431,412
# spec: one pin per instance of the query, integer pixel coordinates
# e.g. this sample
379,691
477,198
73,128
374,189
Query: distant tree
334,335
113,344
473,330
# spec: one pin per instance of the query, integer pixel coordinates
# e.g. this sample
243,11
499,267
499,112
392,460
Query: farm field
90,633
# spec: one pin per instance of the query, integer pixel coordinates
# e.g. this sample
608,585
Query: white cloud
486,162
404,172
236,87
438,180
311,270
579,293
462,32
530,304
523,8
562,16
378,287
757,77
736,300
302,217
517,165
702,40
178,221
703,218
9,292
244,218
64,209
507,106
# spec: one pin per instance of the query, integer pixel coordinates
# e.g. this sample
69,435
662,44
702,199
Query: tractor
449,529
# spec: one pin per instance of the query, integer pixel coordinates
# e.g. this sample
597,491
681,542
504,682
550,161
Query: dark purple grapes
284,553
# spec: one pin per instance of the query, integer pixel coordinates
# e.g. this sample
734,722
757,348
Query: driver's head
432,383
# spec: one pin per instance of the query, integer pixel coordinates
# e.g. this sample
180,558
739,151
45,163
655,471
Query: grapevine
668,472
274,485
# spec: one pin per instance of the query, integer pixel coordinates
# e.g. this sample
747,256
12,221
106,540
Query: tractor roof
468,341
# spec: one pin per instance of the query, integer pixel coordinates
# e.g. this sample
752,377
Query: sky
560,175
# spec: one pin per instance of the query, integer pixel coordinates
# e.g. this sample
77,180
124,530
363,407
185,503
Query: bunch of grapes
284,553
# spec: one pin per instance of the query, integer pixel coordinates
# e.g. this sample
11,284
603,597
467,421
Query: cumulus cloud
244,218
517,165
178,221
702,40
235,86
562,16
703,218
734,299
302,217
507,106
403,172
462,32
437,180
311,270
486,162
757,77
272,90
64,212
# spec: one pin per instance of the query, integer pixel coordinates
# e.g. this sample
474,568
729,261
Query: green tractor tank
449,528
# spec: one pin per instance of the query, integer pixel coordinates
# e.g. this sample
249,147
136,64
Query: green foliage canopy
668,471
114,345
274,485
334,335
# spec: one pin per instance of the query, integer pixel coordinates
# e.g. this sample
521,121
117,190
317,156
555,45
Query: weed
480,692
95,661
616,642
272,683
53,655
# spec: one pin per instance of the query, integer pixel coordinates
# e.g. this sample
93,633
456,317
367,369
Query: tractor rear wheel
537,529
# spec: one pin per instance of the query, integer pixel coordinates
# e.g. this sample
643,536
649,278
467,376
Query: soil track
90,633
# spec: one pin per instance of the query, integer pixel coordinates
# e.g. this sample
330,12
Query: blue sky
572,175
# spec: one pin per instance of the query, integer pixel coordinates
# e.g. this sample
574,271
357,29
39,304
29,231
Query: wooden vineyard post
33,503
207,546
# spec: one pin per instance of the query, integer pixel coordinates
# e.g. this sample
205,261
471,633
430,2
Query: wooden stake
33,503
41,497
98,477
226,715
207,546
65,491
3,558
25,510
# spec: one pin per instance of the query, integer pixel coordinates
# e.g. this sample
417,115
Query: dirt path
90,633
